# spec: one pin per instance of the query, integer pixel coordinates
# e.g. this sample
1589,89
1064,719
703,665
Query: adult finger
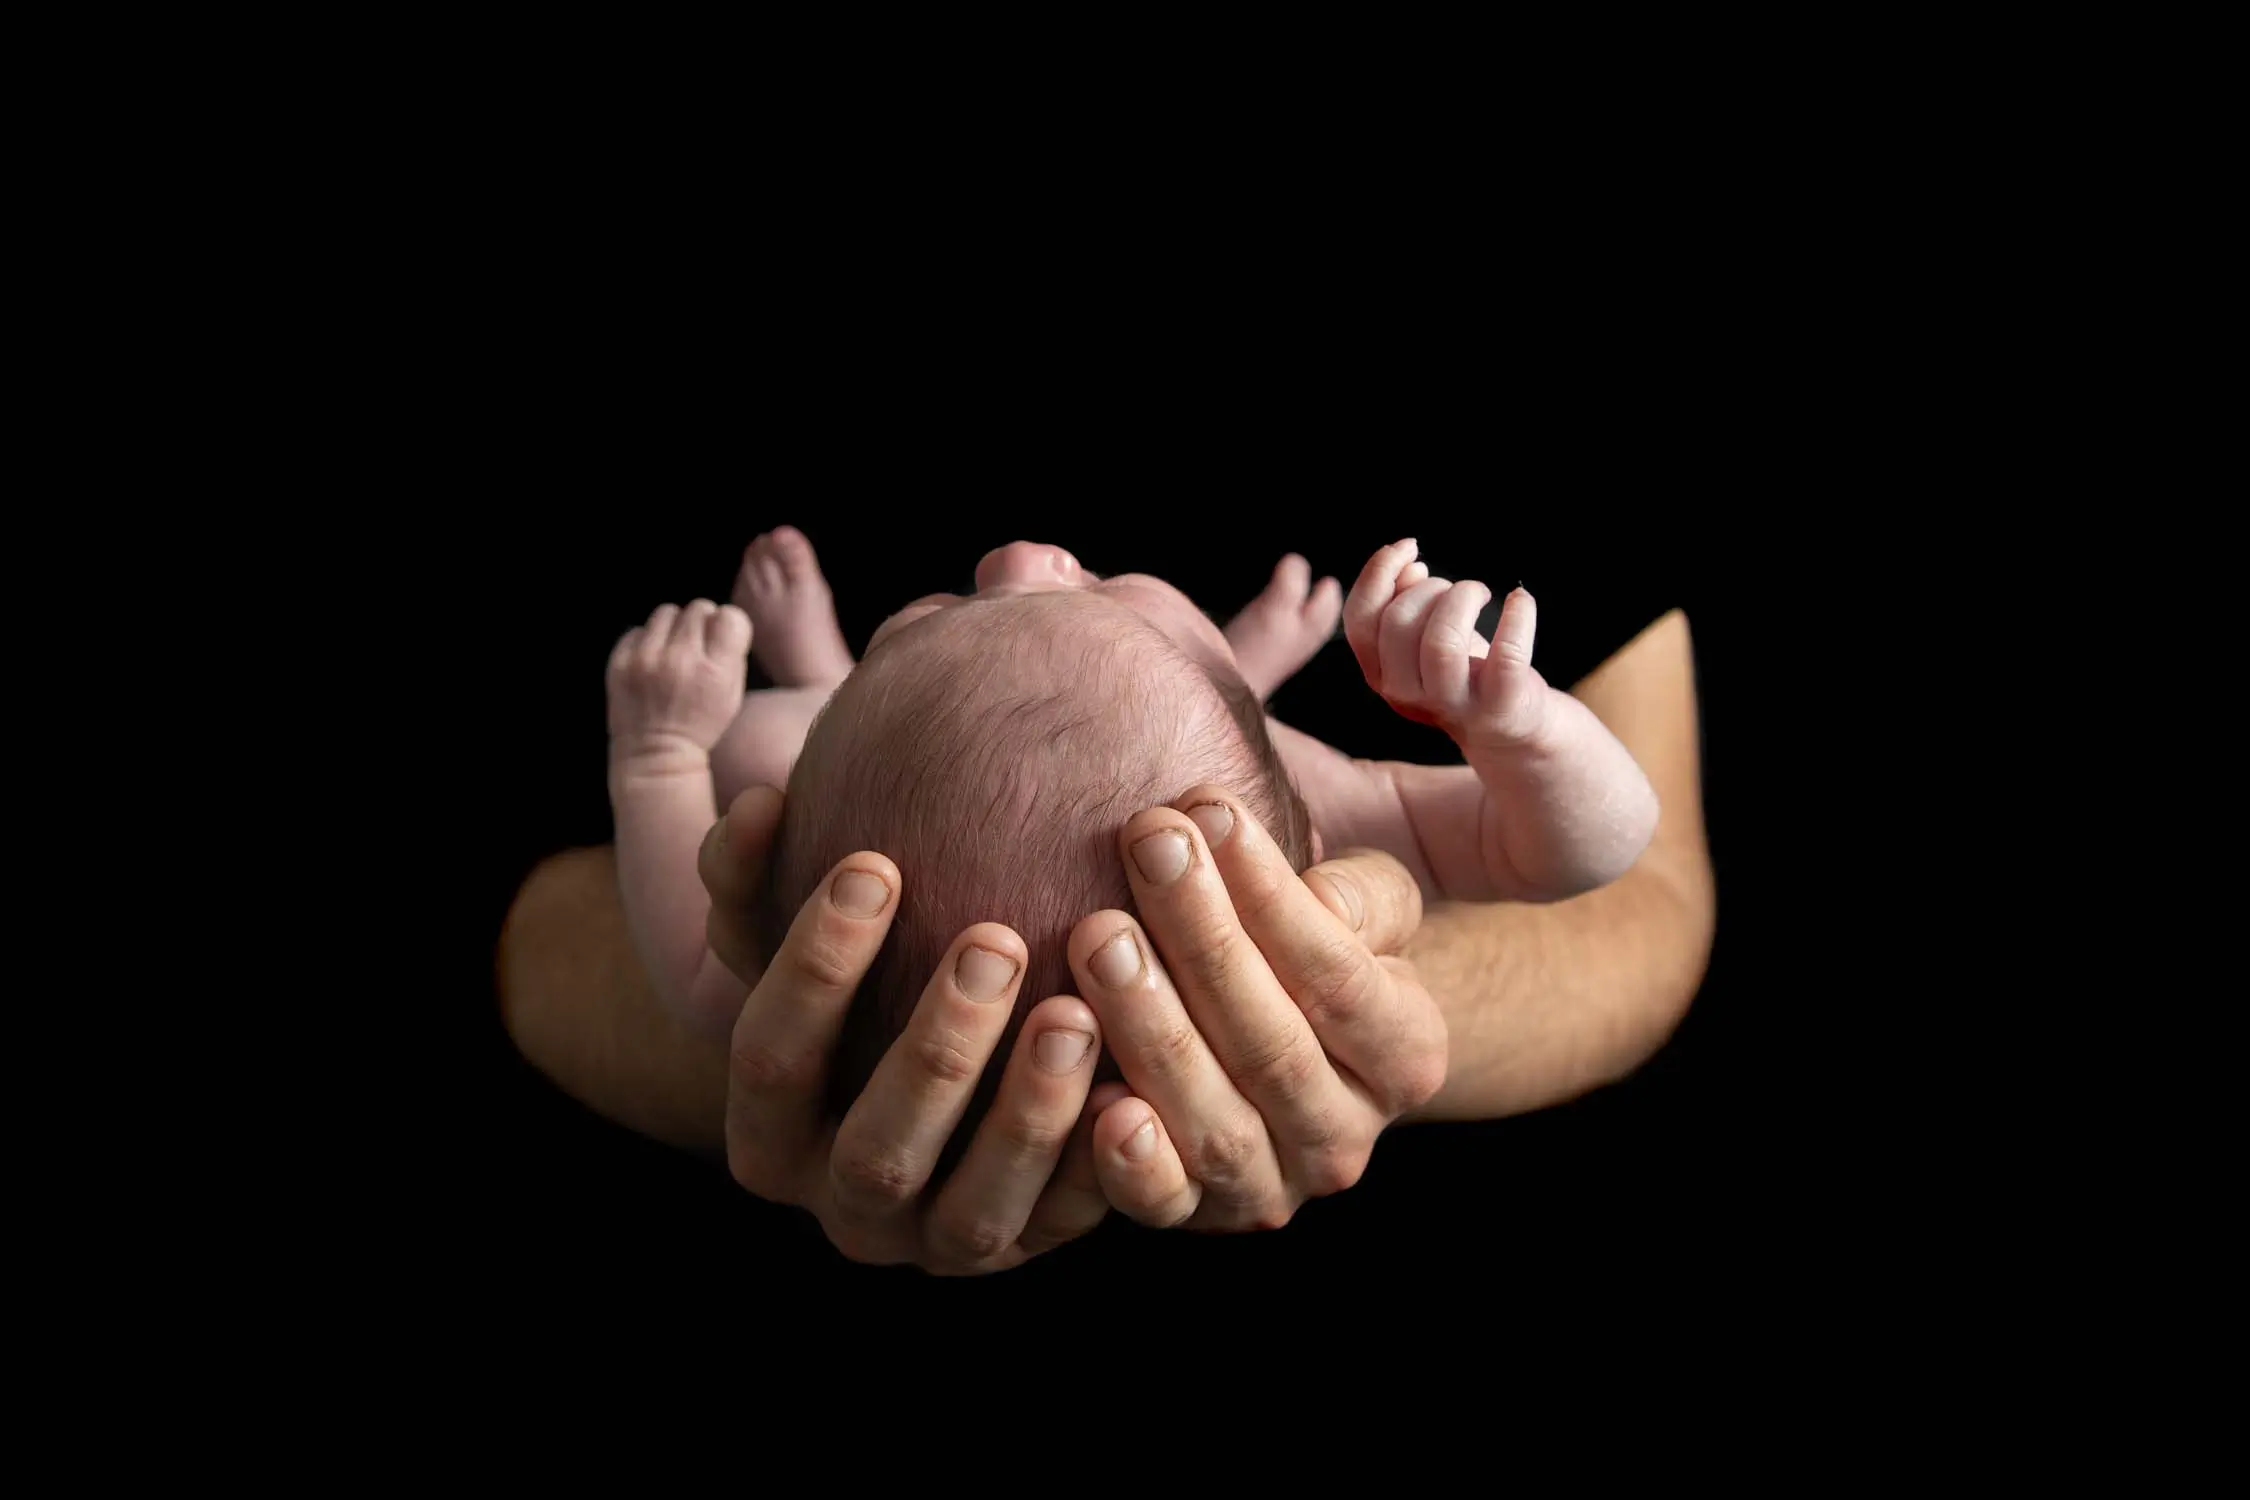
891,1137
778,1061
1390,1037
1254,1029
1370,892
981,1212
1139,1168
1221,1139
1073,1202
1370,596
732,863
1399,638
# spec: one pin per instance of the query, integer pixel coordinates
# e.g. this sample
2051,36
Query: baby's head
992,746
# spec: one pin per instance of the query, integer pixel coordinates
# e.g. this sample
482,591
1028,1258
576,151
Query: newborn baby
992,745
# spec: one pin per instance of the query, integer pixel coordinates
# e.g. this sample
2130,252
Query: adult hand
1027,1181
1277,1035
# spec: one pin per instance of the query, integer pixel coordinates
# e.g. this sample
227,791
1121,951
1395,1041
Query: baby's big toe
793,554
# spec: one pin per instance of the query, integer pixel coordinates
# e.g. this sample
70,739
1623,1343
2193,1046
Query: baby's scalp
992,750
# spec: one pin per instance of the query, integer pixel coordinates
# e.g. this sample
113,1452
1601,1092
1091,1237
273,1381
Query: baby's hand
675,684
1416,640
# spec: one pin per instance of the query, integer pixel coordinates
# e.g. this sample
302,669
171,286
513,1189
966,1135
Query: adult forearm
1543,1002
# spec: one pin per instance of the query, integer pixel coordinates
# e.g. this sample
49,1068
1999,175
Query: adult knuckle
944,1057
1334,1167
875,1178
971,1242
1339,993
1170,1049
1030,1137
1224,1157
763,1068
822,963
1208,954
1285,1068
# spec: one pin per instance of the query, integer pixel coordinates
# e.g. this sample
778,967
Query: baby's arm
1550,804
675,684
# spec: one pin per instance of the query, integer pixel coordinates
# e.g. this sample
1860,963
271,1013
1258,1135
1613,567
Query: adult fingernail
858,894
1116,962
1216,820
1060,1051
1141,1144
982,973
1348,898
1162,856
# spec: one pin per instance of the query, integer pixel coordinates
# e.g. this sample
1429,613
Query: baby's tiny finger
1446,644
728,631
1413,573
1370,596
1400,644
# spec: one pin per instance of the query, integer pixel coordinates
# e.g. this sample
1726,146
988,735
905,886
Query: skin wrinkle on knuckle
823,963
1170,1050
1284,1068
971,1242
1336,995
1029,1138
1224,1159
944,1057
761,1069
871,1180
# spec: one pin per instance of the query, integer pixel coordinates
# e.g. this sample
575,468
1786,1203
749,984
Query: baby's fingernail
1060,1051
1116,962
982,973
1141,1144
858,894
1162,856
1215,819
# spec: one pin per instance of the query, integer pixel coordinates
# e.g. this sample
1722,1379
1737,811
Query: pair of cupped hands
1265,1025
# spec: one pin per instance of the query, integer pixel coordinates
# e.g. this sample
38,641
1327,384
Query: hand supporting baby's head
993,750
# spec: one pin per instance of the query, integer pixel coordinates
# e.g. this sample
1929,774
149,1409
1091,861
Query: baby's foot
1280,630
1416,640
675,684
780,586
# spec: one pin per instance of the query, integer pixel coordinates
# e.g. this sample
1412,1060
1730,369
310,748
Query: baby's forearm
1541,818
663,805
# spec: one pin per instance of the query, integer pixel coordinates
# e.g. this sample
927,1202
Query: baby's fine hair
994,761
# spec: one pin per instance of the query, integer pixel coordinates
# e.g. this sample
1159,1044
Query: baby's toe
793,555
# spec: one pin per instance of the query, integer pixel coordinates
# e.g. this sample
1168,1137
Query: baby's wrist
637,757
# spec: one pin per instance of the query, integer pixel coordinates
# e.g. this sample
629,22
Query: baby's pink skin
1550,804
780,586
1280,630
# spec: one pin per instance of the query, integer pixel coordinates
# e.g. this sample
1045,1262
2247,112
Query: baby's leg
1281,629
762,743
797,639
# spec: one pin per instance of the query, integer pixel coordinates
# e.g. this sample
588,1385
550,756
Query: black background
1693,1161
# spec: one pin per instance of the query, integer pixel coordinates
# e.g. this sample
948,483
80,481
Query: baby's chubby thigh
762,743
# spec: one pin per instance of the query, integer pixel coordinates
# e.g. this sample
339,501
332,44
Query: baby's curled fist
1416,640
